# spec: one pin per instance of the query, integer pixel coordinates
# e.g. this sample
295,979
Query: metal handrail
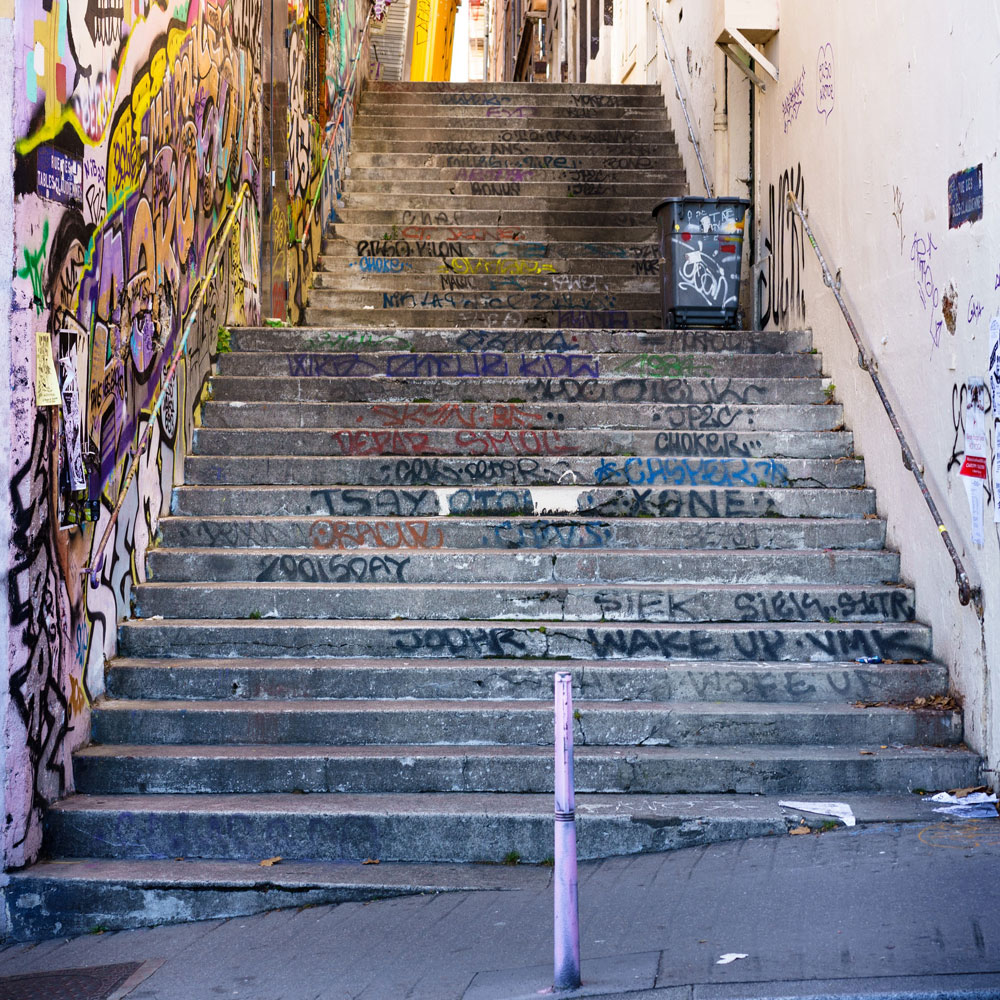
97,557
680,97
966,592
335,122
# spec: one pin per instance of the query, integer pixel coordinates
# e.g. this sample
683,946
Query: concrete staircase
398,523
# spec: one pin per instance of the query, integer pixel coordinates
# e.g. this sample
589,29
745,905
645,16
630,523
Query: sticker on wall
46,382
995,396
974,468
60,177
965,196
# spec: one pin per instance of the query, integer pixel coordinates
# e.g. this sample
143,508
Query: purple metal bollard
567,919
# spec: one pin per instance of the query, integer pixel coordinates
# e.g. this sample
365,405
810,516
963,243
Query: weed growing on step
512,858
254,615
829,391
223,344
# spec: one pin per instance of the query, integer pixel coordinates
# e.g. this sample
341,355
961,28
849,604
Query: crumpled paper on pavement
839,809
977,805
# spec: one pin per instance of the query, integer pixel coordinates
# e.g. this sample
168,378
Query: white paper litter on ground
978,810
975,805
839,809
731,956
973,798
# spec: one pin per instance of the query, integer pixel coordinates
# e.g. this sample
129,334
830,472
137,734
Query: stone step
449,209
360,278
514,680
605,319
678,603
532,158
599,272
529,365
199,638
628,151
438,195
432,114
453,243
784,567
442,130
493,239
585,94
520,441
575,180
655,770
424,827
446,215
73,896
602,501
402,284
456,471
515,341
512,416
331,535
528,115
328,382
455,300
462,725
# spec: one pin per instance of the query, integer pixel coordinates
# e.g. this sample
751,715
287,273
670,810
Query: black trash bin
701,246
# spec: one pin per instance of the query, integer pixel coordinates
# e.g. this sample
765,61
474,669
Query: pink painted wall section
134,129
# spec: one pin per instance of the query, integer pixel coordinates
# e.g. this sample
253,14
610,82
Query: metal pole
567,919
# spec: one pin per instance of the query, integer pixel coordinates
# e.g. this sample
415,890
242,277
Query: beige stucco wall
910,100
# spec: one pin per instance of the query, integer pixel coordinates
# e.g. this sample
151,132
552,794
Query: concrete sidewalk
907,910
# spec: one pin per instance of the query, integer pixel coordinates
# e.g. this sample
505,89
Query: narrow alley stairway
480,463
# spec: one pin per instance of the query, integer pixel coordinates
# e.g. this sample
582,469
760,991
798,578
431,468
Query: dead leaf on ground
797,831
371,861
271,862
961,793
867,753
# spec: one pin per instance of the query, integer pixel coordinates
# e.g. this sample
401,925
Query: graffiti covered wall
323,36
136,126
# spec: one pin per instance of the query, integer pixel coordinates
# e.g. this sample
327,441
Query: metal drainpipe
755,219
486,41
563,57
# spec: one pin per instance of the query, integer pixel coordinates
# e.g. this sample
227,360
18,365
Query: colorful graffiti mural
326,35
137,126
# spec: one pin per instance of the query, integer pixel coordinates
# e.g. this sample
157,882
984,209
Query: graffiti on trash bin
709,246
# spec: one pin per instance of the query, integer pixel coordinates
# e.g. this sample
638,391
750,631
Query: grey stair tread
333,706
618,603
336,441
303,386
576,364
664,680
498,499
790,568
869,754
866,807
760,769
291,873
518,532
663,471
